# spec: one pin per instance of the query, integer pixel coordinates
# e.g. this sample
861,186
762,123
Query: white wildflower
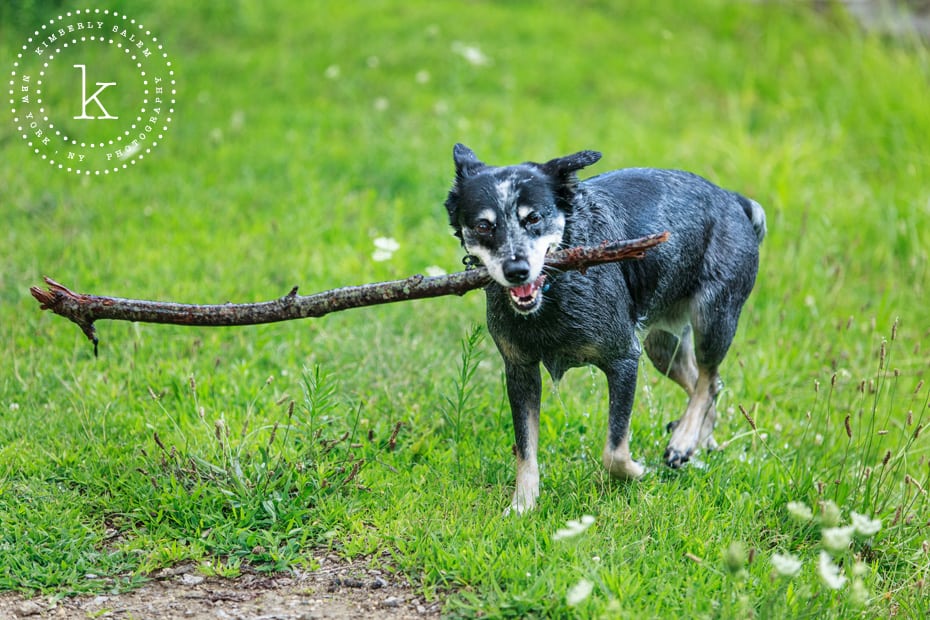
384,249
14,406
818,439
579,592
859,594
332,72
381,104
837,539
800,511
829,513
574,528
471,53
786,564
830,573
860,569
422,76
864,525
434,271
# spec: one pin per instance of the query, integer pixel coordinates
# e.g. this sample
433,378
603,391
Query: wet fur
681,303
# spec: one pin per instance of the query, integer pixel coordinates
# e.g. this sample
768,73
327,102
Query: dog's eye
484,227
533,218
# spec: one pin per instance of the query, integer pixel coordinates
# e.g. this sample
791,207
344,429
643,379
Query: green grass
386,429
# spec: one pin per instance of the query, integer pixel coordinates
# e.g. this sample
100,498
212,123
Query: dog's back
714,242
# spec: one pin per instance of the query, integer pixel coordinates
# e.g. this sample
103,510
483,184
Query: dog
681,302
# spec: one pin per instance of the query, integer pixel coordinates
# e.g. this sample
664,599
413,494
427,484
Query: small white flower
786,564
579,592
381,104
837,539
818,439
14,406
830,573
829,513
422,76
471,53
574,528
384,249
386,243
332,72
860,569
373,62
800,511
859,594
434,271
864,525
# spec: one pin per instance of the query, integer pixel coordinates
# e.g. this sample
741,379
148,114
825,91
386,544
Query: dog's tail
756,215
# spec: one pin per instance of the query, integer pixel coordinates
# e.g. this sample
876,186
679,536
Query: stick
84,309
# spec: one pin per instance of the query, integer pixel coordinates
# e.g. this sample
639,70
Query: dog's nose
516,270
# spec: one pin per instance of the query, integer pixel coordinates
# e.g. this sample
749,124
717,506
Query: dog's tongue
524,291
527,290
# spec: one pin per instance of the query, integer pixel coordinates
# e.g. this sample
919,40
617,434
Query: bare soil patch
336,590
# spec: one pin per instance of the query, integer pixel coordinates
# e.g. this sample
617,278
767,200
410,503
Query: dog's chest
565,333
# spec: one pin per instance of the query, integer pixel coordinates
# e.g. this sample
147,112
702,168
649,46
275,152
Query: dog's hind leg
621,385
524,389
697,424
674,357
713,333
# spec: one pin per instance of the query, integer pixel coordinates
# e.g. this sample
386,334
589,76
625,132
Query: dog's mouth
527,297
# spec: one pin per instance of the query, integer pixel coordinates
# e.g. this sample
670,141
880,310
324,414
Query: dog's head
509,217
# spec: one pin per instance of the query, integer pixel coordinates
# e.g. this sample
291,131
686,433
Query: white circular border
171,90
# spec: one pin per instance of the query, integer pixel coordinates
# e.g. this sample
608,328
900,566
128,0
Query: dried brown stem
84,309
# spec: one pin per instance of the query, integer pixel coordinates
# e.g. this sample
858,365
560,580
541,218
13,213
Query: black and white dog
682,301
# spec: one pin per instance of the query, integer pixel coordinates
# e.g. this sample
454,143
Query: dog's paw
675,457
520,507
710,444
624,469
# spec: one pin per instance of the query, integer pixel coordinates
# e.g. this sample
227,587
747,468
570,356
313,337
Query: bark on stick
85,309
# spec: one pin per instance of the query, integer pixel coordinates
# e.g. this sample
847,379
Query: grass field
303,134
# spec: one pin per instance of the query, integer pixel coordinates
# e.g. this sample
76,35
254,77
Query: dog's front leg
621,384
524,387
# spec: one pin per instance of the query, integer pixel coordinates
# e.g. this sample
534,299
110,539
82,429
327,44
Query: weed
460,409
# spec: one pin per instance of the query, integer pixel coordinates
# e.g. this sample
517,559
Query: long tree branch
84,309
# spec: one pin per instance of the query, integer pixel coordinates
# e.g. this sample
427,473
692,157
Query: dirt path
337,590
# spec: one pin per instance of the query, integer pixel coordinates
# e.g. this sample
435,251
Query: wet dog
681,303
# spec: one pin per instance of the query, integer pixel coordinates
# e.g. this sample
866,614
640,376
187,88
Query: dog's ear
466,162
562,171
564,168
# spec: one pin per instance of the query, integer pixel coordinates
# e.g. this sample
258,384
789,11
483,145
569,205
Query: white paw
521,504
623,469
